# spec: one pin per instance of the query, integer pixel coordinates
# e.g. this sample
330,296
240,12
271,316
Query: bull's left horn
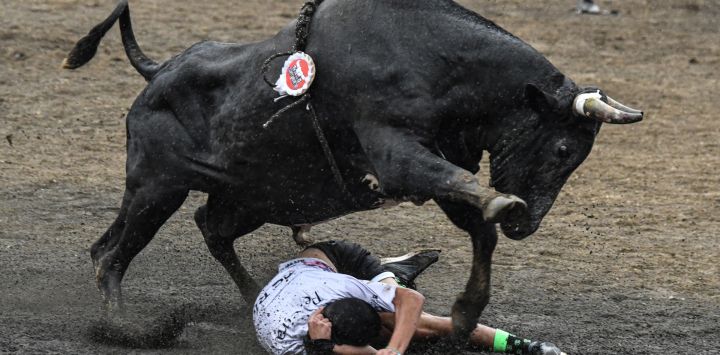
591,105
620,106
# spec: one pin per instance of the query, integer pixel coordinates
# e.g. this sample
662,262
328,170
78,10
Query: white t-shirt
302,286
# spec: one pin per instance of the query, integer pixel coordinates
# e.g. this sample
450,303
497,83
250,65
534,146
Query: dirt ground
625,263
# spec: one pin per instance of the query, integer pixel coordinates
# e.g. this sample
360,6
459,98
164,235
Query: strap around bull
302,32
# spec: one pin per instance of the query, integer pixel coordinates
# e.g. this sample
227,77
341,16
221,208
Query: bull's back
214,101
214,90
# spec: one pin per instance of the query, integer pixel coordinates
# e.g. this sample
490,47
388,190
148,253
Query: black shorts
351,259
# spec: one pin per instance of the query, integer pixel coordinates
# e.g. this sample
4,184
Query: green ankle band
500,341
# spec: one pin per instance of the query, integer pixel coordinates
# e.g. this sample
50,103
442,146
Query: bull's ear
539,100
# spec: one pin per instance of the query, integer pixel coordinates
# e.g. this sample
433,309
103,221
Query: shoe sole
409,255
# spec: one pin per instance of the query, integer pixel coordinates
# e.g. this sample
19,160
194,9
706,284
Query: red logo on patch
296,75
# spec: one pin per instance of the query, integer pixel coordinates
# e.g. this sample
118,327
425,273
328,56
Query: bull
409,94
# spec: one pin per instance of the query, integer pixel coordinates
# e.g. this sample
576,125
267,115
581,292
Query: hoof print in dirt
134,332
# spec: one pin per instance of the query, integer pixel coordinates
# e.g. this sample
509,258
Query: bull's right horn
592,105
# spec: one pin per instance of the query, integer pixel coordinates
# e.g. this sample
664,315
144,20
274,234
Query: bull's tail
86,47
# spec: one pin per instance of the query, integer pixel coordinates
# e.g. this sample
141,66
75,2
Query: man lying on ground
320,303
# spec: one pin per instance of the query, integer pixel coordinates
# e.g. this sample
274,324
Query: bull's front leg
469,304
407,169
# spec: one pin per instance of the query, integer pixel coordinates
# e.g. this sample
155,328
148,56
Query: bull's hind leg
111,236
145,209
221,223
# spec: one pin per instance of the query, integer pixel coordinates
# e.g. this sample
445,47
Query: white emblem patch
297,75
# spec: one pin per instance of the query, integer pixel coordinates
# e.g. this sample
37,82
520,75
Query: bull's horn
591,105
620,106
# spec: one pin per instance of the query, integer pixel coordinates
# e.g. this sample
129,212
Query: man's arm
354,350
408,308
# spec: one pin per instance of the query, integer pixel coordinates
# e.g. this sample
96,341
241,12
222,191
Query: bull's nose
518,229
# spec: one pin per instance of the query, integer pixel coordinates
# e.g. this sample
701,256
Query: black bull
409,94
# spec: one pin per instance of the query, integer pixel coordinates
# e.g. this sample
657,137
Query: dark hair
354,321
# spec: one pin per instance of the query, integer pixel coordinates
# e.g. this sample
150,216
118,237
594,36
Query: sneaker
587,7
407,267
544,348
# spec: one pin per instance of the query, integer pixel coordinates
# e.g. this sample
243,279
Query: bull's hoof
500,207
464,319
112,297
108,282
114,307
372,182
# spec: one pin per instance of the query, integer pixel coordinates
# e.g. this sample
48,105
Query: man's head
354,321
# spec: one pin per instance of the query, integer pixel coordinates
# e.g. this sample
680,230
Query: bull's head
543,142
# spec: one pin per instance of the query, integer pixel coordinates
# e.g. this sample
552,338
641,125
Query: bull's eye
563,151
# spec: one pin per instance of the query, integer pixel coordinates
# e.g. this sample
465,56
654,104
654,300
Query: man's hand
319,327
